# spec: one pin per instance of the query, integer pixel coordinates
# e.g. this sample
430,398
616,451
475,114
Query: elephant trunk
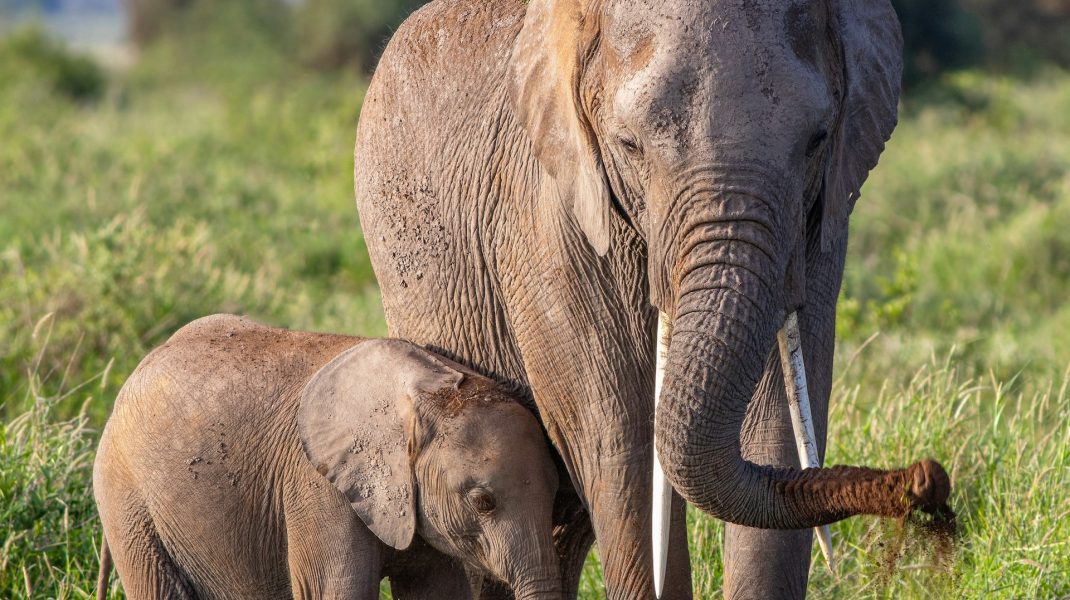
530,586
538,575
727,314
538,590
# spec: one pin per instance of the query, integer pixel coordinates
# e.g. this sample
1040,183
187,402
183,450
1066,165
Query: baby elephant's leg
331,553
146,569
424,573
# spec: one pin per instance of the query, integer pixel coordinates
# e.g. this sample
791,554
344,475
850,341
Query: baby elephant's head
418,444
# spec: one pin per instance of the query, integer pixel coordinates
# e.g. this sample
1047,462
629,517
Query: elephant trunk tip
839,492
930,487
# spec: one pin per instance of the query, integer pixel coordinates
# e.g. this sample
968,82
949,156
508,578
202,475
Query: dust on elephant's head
418,444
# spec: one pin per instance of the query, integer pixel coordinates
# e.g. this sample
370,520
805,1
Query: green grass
166,195
128,216
51,534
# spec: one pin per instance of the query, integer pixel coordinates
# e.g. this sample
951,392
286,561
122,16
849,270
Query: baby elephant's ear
356,418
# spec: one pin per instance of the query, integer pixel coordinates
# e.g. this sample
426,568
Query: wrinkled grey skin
214,474
534,178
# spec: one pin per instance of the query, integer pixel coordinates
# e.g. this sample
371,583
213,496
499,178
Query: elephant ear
872,51
359,424
545,91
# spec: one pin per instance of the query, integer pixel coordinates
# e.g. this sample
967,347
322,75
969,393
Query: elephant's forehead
687,22
758,41
716,69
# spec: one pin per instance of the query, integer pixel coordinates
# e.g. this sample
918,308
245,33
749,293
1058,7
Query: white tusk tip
824,540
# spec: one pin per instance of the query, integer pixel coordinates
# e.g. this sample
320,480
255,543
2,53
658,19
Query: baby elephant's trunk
539,589
540,580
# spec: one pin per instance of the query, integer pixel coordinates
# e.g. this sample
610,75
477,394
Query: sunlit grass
1009,459
51,533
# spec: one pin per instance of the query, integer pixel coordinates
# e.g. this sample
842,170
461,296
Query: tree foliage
1024,31
943,35
938,35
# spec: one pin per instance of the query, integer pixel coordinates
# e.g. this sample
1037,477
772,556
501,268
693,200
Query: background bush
1025,33
938,35
324,34
945,35
29,57
348,33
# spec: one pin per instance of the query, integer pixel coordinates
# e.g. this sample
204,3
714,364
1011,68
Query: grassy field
131,203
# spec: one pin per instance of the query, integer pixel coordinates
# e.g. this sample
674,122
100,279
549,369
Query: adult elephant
536,180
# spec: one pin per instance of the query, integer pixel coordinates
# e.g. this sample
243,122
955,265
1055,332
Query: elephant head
419,444
733,137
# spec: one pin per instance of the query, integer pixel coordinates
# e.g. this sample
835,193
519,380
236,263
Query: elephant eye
630,145
481,500
815,143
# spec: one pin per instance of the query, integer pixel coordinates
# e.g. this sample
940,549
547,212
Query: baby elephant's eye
481,500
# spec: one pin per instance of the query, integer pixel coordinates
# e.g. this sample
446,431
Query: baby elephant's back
203,434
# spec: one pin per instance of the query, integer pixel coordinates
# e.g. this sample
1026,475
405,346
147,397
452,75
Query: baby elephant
243,461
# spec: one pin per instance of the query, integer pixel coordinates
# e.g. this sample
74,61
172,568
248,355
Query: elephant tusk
662,489
802,420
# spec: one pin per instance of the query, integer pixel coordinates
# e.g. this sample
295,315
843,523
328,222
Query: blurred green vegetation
31,58
946,35
959,243
322,34
173,195
215,175
939,35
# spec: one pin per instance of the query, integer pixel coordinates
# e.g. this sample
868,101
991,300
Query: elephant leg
423,573
767,563
602,425
573,538
621,501
762,563
145,568
585,331
329,551
678,574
